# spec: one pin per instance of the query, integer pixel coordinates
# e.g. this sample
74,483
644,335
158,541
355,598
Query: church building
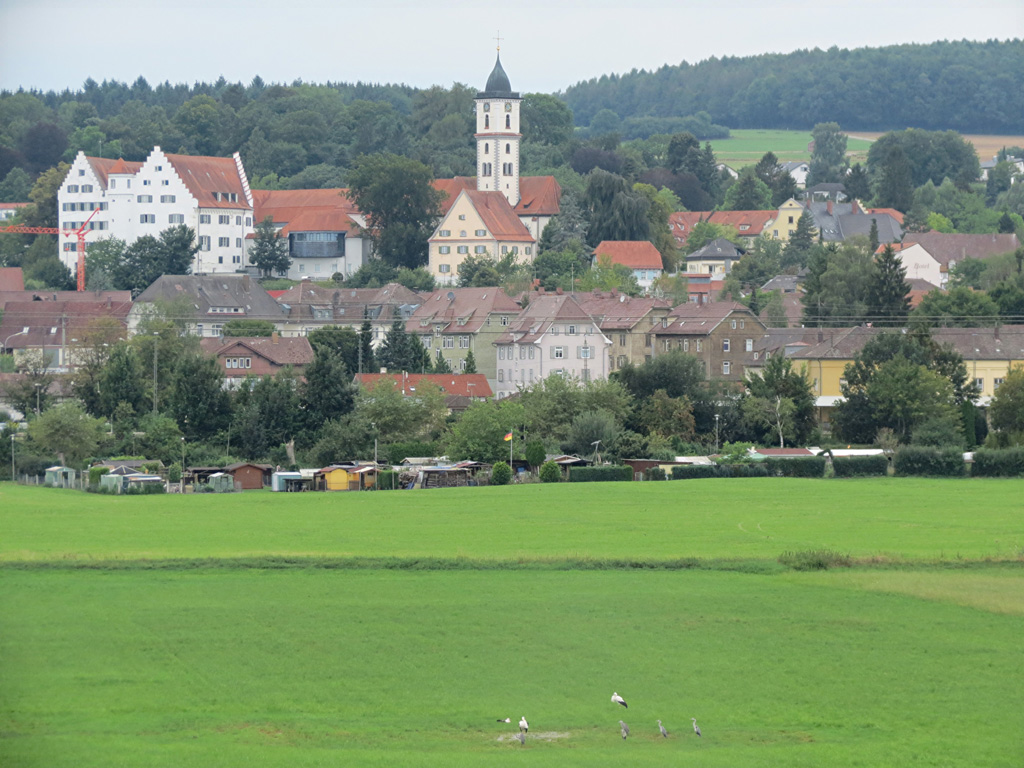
498,213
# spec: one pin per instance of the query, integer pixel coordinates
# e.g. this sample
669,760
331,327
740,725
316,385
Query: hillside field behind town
395,628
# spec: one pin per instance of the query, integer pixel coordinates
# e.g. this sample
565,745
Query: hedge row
1006,462
811,466
606,474
860,466
928,461
694,471
387,480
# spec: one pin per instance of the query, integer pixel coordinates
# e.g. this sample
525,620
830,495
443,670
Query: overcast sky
547,45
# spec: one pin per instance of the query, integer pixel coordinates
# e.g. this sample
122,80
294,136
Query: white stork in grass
505,720
616,699
524,726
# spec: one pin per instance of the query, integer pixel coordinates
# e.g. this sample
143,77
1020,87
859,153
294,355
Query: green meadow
395,628
746,146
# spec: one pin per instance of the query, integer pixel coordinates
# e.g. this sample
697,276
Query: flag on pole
508,437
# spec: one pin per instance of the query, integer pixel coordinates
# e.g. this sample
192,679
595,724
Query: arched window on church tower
508,149
508,121
487,148
487,121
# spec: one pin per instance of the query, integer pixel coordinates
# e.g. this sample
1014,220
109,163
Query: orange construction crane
79,233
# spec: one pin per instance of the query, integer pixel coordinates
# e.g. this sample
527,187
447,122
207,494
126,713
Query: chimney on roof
558,290
828,207
274,337
245,282
854,208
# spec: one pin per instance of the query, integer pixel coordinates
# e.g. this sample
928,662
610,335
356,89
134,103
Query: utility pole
156,357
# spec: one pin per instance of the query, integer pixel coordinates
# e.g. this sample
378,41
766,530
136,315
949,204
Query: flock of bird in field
524,727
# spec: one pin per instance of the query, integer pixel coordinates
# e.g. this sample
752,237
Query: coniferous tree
889,292
873,235
441,364
470,362
896,183
328,392
801,241
269,252
366,362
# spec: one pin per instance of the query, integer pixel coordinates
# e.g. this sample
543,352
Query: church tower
497,136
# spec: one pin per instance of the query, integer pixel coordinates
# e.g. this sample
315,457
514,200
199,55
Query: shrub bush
814,560
501,474
743,470
694,471
550,472
810,466
932,462
860,466
655,473
1008,462
174,473
605,474
387,480
95,473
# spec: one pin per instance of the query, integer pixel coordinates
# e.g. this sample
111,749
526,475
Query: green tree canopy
269,252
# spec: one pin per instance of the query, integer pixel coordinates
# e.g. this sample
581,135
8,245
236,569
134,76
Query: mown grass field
238,630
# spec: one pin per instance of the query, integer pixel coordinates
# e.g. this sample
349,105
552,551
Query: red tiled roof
682,222
954,247
289,350
635,254
116,297
498,216
541,313
617,311
11,279
104,166
538,195
462,384
206,175
470,305
890,211
305,210
55,323
9,206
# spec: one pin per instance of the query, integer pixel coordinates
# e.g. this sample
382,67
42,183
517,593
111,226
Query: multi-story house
720,334
309,306
203,303
553,335
241,356
129,199
640,256
323,228
457,321
628,321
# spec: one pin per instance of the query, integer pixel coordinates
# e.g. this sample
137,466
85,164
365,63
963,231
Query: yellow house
478,224
785,223
345,477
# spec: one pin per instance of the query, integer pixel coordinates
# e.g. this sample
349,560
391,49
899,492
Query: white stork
523,725
616,699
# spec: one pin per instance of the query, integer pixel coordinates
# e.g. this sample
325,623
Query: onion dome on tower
498,85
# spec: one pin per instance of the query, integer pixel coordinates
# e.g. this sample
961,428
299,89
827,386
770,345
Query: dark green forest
971,87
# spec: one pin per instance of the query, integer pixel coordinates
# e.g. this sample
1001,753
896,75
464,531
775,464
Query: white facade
497,145
210,195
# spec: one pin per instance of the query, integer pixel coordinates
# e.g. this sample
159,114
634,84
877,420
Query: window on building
501,353
146,182
504,249
448,342
463,342
585,352
700,345
72,187
444,268
487,124
622,339
504,319
204,243
165,183
147,218
445,233
530,351
220,259
223,242
996,384
238,220
508,121
223,219
204,218
726,367
463,249
87,187
176,218
979,384
508,149
144,198
748,345
167,198
725,345
480,233
427,340
558,353
480,249
81,172
790,219
444,249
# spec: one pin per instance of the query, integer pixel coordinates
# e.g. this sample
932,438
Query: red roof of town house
635,254
11,279
538,195
306,210
498,216
472,385
207,176
465,312
616,311
279,350
104,166
55,323
746,223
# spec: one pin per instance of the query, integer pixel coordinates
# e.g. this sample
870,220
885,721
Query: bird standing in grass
523,725
662,729
616,699
522,739
505,720
696,728
625,729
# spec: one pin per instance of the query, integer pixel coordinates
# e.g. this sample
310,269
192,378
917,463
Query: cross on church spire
499,39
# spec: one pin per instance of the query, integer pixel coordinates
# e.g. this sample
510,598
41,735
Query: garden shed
221,482
290,481
60,477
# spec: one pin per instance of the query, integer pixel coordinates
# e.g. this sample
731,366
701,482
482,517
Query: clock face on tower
508,106
487,107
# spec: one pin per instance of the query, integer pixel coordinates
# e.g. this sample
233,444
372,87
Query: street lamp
156,357
716,432
19,333
14,478
38,387
182,483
